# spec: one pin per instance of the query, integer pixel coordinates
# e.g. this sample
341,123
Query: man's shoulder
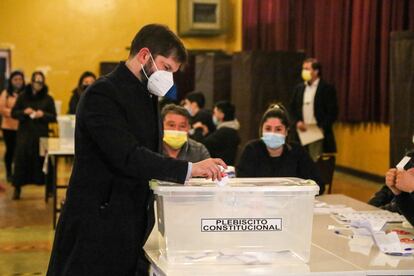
194,145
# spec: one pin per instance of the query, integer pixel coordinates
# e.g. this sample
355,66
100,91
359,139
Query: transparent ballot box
248,220
66,130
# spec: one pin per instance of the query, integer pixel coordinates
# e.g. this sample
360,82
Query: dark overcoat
108,210
325,111
27,161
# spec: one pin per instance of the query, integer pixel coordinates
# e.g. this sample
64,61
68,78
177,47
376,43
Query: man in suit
108,213
314,104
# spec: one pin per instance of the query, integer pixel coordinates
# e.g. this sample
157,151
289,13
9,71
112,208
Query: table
52,149
330,254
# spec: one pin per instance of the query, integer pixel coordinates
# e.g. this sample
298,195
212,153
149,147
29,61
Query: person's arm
247,163
49,112
308,169
18,110
102,119
4,110
72,105
331,107
405,203
382,197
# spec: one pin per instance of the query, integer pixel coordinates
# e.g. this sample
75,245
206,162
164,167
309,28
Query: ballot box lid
258,184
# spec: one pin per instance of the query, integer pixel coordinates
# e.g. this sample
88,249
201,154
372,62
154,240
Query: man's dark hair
316,65
10,88
227,108
174,109
275,111
196,97
160,40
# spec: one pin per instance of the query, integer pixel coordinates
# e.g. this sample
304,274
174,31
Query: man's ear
143,55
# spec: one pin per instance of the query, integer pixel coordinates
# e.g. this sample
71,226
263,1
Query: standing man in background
108,213
314,105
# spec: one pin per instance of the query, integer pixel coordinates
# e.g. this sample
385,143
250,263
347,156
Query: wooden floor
26,233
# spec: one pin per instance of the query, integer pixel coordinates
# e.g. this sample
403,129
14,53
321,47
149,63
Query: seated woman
271,156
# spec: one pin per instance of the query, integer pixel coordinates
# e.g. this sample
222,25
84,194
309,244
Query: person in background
9,125
34,109
222,143
176,144
194,102
271,156
85,80
401,183
314,103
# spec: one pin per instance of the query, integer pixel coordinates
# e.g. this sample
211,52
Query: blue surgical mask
189,109
215,121
273,140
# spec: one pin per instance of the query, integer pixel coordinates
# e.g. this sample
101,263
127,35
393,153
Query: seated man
222,143
176,143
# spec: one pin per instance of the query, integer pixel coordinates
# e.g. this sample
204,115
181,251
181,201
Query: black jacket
27,162
255,161
222,143
206,118
405,203
74,100
108,212
325,110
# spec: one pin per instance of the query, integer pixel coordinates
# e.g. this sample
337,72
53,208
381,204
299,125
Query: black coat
74,100
325,110
405,203
108,213
27,161
255,161
222,143
206,118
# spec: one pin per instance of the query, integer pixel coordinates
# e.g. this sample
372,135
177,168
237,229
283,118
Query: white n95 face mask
160,81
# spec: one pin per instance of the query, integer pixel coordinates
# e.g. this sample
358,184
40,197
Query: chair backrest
326,166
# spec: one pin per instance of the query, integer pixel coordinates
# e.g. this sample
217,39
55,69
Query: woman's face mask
273,140
175,138
160,81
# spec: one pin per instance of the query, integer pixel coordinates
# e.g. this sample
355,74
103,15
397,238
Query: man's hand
301,126
390,178
208,168
202,126
405,181
28,111
39,114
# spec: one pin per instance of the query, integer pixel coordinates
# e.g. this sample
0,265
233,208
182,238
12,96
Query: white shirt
308,103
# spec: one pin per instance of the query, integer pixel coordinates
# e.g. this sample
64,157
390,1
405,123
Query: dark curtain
349,37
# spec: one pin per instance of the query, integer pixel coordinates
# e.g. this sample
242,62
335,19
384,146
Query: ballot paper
312,134
400,166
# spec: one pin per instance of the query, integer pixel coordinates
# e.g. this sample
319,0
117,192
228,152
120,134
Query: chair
326,167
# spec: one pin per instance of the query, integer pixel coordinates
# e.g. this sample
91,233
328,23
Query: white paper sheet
312,134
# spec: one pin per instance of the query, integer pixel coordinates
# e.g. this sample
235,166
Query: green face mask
175,138
306,75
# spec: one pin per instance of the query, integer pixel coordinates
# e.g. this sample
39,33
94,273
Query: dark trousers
9,137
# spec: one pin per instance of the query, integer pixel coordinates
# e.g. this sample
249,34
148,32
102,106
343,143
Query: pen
398,254
343,235
408,249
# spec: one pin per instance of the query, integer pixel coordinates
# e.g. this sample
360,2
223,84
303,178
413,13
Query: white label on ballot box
241,224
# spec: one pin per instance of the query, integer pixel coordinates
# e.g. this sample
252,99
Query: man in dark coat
314,102
108,213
